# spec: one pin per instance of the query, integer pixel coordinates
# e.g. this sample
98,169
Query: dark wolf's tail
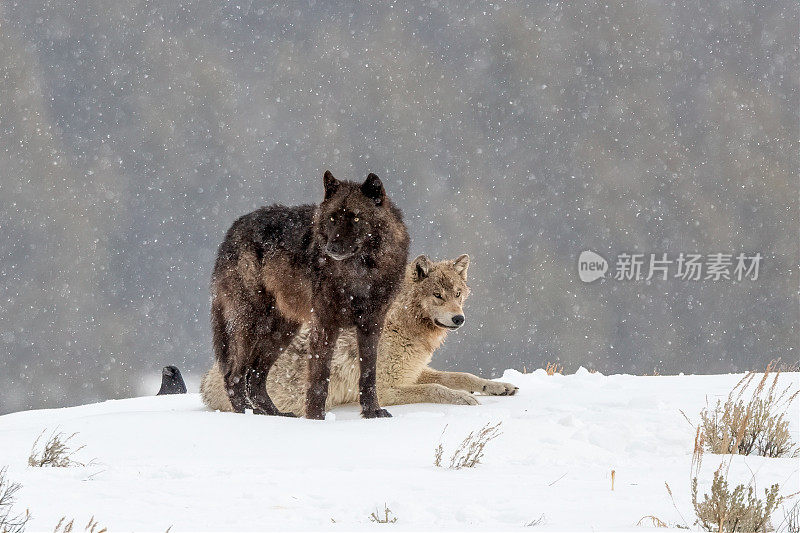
171,381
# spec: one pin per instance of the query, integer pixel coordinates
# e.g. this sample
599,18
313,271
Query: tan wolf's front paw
498,388
376,413
464,398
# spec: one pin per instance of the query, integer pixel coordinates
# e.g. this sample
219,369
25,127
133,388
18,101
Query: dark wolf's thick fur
336,265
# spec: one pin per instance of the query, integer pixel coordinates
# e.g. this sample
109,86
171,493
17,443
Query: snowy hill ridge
166,461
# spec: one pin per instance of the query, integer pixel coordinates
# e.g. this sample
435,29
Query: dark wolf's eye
332,219
438,295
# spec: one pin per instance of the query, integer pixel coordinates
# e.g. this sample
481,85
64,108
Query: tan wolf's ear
461,264
373,188
421,268
331,184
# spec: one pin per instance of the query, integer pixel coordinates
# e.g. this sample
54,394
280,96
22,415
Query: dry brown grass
10,522
93,526
554,368
791,520
654,521
736,510
56,451
787,367
729,510
469,453
387,517
753,425
537,521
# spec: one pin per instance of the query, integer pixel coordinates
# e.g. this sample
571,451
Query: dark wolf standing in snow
428,305
335,265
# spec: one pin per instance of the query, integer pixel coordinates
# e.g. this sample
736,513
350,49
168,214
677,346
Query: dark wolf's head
353,213
437,291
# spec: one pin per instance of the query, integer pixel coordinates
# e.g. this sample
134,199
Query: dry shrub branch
10,522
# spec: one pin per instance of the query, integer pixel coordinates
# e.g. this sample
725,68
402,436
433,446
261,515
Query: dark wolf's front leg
322,341
368,353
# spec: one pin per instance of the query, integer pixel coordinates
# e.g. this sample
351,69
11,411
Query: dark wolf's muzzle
339,252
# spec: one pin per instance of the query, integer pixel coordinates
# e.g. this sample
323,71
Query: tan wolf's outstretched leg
424,393
467,382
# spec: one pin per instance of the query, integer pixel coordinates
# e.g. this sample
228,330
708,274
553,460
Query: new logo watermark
591,266
663,266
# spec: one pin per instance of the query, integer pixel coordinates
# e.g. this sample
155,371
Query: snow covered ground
166,461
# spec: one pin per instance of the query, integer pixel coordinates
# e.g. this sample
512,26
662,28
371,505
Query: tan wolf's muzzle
453,321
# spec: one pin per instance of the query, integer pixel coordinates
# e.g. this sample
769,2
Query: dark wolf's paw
376,413
273,412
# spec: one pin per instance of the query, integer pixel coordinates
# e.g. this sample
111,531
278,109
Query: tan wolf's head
439,290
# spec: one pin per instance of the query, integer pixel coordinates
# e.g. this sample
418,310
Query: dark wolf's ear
461,264
422,267
373,188
331,184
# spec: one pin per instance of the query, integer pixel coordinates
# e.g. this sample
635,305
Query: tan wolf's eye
458,294
355,219
438,295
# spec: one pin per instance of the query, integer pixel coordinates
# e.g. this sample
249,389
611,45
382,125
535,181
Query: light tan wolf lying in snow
428,304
